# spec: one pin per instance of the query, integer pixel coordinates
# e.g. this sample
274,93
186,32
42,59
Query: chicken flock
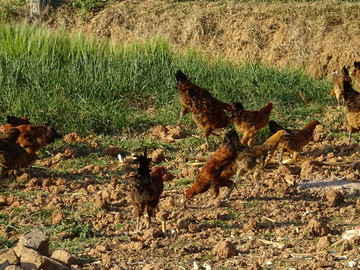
20,141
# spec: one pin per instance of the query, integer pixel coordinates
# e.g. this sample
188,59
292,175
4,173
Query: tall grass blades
89,85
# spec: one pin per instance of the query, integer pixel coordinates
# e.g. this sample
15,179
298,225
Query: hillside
319,36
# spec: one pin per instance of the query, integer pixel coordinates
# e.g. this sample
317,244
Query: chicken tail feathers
267,108
144,163
274,127
180,76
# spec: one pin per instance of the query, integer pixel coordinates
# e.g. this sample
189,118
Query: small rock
10,257
309,169
158,155
334,197
57,217
225,249
324,243
153,233
64,257
34,239
31,259
315,228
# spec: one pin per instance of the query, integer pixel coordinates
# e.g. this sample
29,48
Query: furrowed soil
293,218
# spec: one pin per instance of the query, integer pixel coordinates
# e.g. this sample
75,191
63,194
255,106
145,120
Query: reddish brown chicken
253,159
355,75
249,123
207,115
33,137
146,189
352,104
183,87
13,121
210,175
296,139
12,155
338,89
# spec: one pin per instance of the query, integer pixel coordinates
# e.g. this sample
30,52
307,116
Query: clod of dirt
286,170
324,243
3,200
252,226
168,203
315,228
136,246
64,257
167,133
225,249
57,217
157,155
279,185
183,224
111,150
310,170
189,172
334,197
73,138
34,239
152,233
67,153
320,133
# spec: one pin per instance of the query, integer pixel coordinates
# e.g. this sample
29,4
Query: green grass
90,86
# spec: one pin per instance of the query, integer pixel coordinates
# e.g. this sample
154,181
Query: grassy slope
91,86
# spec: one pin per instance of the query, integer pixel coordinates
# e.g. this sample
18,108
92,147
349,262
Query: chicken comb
180,76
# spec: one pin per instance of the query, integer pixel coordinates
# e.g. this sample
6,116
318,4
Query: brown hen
12,155
33,137
249,123
296,139
185,85
146,189
207,115
211,174
13,121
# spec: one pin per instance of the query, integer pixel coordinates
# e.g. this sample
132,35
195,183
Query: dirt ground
319,37
294,218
